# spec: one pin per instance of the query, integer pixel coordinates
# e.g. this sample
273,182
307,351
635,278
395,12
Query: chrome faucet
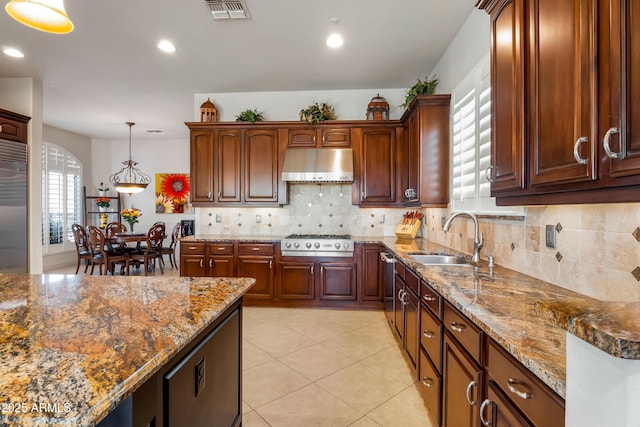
478,239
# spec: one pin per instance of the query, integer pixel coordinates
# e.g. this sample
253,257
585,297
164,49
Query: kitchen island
74,348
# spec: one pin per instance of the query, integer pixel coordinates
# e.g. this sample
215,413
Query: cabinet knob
607,148
521,394
576,153
483,407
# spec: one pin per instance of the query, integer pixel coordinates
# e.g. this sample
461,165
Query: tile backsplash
597,249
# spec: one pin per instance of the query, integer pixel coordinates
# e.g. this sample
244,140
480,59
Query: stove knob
317,245
337,245
296,245
288,244
346,245
308,245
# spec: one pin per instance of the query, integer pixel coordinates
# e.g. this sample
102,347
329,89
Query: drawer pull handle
201,263
488,174
255,249
428,298
471,385
211,263
458,327
428,334
576,153
521,394
428,382
607,147
192,248
221,248
484,406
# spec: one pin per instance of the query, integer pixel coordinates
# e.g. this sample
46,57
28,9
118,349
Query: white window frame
61,197
471,145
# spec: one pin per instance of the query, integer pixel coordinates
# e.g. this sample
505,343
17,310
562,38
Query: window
471,144
61,198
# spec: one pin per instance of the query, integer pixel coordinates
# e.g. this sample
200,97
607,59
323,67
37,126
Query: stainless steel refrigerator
13,207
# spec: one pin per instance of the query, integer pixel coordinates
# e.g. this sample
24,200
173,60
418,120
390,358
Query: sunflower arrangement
131,215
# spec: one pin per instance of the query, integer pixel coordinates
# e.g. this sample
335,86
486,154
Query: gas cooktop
317,245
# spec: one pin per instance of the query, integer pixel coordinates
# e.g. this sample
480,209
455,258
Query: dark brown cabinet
257,261
406,312
303,278
13,126
234,165
372,273
199,259
296,279
426,147
498,411
337,280
320,136
375,166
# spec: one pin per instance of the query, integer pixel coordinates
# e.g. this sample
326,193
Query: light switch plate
550,232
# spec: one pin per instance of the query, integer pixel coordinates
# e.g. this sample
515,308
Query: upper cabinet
426,151
319,136
13,126
563,92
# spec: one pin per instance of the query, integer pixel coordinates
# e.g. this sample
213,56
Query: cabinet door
261,269
228,174
296,280
220,266
301,137
202,157
561,114
498,411
192,266
621,88
335,137
372,277
378,166
461,387
430,383
412,146
507,101
412,325
398,306
337,281
261,165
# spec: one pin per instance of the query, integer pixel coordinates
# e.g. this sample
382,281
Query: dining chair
101,255
110,233
171,249
82,246
151,252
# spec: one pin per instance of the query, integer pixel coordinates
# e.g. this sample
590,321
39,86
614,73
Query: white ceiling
109,71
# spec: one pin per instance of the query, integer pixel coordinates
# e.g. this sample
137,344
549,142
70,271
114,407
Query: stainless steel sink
441,260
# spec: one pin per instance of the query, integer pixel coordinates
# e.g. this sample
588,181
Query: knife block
407,231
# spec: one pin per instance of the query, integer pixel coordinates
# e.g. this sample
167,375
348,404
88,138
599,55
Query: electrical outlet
550,232
200,376
258,219
381,219
218,218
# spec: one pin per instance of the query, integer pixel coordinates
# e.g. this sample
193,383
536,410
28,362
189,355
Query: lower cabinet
207,259
498,411
296,280
257,260
306,279
337,281
430,383
406,312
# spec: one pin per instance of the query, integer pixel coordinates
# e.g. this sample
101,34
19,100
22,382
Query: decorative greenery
318,112
131,216
421,87
250,116
102,187
103,202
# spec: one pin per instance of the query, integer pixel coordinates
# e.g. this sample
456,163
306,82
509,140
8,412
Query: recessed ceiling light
9,51
335,40
166,46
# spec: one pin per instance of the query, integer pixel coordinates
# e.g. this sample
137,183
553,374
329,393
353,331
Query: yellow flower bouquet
131,215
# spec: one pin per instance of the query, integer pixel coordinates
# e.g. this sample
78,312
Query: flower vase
103,220
131,226
102,193
102,208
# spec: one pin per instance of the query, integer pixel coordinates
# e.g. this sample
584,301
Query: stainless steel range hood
318,165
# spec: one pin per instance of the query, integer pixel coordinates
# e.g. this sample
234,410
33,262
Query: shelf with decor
93,212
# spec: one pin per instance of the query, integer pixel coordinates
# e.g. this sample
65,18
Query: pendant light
129,179
44,15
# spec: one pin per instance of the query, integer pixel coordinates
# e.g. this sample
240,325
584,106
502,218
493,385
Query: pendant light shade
44,15
129,179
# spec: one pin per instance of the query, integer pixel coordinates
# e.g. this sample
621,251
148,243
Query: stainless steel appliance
318,165
187,227
388,261
330,245
13,207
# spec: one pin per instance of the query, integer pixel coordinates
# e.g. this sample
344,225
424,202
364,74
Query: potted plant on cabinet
421,87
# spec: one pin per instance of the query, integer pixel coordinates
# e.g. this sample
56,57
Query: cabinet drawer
262,249
220,248
536,401
412,281
400,269
191,248
467,334
430,381
431,336
431,298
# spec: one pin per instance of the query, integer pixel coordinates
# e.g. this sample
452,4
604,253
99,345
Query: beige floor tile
365,422
404,410
361,387
246,408
379,329
310,406
357,318
253,356
357,345
390,362
252,419
269,381
317,361
320,329
282,341
255,328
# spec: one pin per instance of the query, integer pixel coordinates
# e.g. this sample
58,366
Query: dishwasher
387,261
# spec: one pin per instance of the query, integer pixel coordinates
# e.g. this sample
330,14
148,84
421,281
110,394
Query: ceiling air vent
228,9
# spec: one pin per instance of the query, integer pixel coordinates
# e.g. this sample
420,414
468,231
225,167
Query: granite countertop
73,347
234,238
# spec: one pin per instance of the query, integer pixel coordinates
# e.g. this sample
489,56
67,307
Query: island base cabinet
498,411
204,388
430,383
